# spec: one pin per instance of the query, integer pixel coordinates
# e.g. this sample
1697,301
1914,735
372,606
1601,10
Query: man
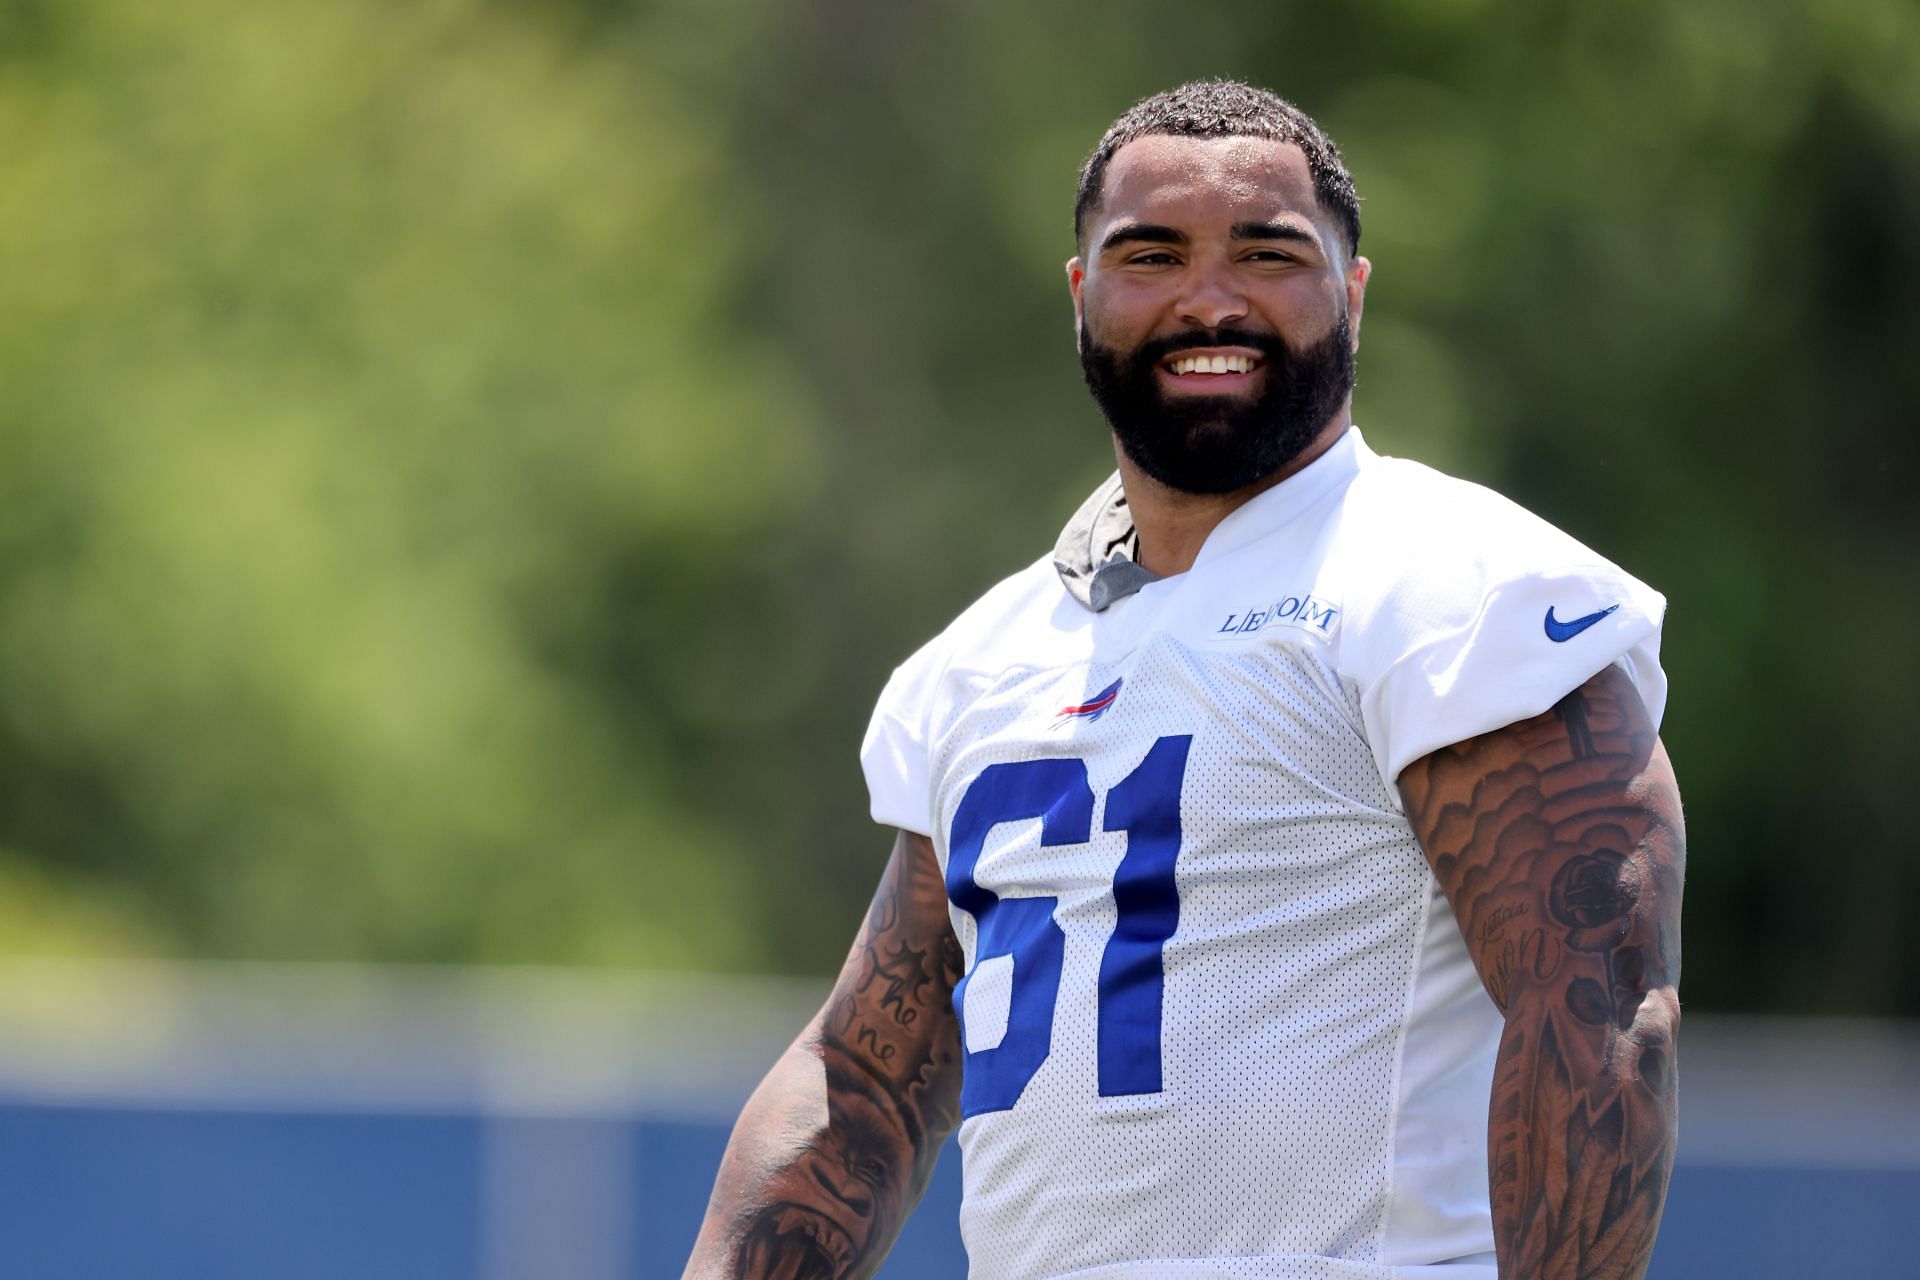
1288,877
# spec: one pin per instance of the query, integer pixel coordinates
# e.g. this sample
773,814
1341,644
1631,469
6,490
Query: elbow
1643,1039
1643,977
1644,972
1649,1045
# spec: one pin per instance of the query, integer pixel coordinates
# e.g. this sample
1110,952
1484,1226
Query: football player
1288,872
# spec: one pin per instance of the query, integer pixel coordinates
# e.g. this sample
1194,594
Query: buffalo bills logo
1093,709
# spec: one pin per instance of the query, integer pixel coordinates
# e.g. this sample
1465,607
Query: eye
1153,258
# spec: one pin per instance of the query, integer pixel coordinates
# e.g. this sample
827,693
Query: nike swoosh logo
1560,632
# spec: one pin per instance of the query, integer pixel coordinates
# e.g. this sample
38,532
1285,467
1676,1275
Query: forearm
806,1188
835,1147
1580,1138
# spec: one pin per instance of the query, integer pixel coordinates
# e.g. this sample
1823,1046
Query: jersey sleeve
1471,637
894,753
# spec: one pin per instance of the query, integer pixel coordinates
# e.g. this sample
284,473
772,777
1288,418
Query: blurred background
468,466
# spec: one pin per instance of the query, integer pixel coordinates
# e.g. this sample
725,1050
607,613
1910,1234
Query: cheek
1114,329
1122,306
1304,304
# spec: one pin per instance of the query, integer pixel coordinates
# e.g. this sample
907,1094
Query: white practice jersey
1219,1020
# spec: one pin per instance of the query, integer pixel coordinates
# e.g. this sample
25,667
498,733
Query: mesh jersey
1219,1020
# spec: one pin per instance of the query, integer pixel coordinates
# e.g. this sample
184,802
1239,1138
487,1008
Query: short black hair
1225,109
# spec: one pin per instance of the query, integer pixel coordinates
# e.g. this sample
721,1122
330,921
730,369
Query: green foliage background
466,467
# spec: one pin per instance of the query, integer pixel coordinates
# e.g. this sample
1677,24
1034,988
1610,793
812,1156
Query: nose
1212,297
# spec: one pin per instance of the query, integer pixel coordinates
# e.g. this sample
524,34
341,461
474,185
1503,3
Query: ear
1076,280
1358,273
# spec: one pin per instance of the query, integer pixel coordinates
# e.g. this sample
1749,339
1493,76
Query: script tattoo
890,1044
1560,846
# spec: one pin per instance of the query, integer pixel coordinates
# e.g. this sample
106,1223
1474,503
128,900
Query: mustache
1270,345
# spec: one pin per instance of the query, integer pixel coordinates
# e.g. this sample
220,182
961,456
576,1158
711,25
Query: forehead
1174,180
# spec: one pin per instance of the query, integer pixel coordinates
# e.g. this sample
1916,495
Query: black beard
1217,444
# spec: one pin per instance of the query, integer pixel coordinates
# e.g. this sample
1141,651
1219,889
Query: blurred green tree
466,467
348,350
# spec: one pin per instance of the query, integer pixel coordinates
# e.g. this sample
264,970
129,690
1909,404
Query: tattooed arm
1559,843
835,1147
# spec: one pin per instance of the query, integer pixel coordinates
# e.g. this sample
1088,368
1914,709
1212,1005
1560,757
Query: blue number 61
1145,805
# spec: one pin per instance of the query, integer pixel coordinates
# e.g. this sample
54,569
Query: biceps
890,1020
905,958
1559,843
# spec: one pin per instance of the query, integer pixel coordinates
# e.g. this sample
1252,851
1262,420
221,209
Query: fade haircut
1225,109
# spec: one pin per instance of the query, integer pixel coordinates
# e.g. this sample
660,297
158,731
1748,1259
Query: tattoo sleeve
836,1145
1559,843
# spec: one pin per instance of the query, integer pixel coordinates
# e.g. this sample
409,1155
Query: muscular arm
1558,841
835,1147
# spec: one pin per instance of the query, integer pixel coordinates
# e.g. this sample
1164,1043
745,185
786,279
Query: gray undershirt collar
1096,552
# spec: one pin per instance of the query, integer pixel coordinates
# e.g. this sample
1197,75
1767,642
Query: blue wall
216,1194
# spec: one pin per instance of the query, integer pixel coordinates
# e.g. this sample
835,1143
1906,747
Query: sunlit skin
1193,234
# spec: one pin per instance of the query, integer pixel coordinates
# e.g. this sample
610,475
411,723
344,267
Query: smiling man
1288,871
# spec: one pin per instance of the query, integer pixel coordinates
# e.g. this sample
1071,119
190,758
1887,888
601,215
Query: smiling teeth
1213,364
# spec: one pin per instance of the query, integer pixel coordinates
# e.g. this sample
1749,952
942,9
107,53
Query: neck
1174,524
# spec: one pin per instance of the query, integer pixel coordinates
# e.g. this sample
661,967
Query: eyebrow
1151,232
1273,231
1155,233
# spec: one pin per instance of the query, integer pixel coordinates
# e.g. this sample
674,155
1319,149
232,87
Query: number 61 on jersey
1146,806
